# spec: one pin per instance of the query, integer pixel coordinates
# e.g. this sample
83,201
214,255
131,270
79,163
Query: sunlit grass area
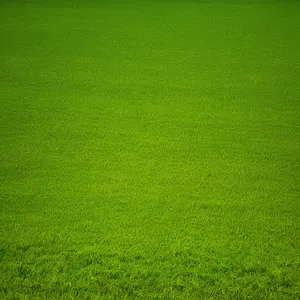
149,149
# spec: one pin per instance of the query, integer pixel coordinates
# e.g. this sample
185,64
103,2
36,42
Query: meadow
150,149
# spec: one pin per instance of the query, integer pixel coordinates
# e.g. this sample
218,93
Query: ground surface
149,149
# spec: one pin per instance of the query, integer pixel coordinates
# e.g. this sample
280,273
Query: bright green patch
149,150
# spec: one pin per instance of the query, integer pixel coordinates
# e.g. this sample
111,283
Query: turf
150,149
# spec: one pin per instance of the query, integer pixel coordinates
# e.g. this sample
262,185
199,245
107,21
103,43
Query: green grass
150,150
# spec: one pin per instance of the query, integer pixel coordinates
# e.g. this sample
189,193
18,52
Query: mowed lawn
150,149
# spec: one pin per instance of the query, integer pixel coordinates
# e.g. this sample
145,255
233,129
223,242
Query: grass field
150,149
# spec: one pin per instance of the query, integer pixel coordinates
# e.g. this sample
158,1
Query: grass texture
150,149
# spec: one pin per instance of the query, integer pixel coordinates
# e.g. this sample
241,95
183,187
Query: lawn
150,149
